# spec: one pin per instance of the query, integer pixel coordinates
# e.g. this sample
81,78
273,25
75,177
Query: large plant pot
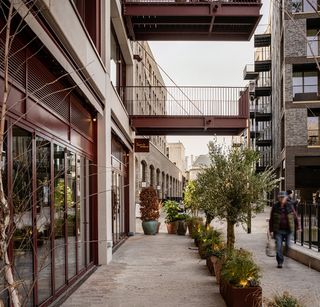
193,226
217,264
172,228
202,251
210,265
150,227
241,297
182,228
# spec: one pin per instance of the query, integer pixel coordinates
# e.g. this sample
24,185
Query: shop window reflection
43,219
22,210
59,215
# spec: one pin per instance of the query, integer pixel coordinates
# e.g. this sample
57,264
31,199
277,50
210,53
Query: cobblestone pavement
296,278
151,271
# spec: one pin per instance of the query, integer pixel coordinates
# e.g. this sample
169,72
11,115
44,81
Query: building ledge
306,256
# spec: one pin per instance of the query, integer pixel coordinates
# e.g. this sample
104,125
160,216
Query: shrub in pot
171,209
218,256
240,277
208,237
149,209
182,224
193,223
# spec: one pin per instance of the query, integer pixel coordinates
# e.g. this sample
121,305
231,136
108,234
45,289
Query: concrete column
132,193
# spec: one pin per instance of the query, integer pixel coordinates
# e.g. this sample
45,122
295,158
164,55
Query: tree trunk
230,235
4,207
209,219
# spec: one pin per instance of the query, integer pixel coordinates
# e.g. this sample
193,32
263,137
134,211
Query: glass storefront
49,192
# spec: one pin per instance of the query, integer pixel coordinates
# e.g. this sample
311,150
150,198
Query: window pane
71,205
22,216
297,78
310,78
310,5
81,221
59,222
43,218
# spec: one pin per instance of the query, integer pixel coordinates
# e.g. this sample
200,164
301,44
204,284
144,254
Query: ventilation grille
17,60
47,88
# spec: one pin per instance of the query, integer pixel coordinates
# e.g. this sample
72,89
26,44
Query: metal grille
80,117
43,85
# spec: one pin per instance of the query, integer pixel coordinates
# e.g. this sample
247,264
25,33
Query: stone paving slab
151,271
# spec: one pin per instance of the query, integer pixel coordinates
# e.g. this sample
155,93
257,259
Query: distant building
176,153
200,162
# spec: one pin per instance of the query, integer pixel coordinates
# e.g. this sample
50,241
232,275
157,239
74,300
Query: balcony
262,61
263,87
264,142
185,20
249,73
262,40
187,110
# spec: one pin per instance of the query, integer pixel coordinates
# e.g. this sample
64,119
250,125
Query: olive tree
231,187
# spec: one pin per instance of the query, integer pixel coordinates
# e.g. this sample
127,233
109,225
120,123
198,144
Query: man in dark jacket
283,219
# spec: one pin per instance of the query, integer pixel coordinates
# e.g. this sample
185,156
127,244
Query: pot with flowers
149,209
240,278
171,209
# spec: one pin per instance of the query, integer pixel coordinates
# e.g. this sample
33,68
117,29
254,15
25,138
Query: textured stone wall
294,40
296,127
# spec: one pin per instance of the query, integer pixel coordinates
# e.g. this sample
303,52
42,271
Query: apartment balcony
262,61
263,87
262,40
264,142
187,110
196,20
249,73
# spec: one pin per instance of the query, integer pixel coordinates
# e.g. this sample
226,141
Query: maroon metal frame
192,20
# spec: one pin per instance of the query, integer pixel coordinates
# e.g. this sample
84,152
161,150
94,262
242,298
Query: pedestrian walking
292,200
282,223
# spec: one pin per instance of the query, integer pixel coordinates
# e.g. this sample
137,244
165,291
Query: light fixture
94,119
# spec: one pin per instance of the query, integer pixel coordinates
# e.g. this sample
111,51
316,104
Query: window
313,127
305,82
89,12
313,42
308,6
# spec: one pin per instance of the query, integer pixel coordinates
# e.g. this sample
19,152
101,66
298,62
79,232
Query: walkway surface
165,270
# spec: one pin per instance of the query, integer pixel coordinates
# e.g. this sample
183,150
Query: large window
48,187
313,42
314,127
305,82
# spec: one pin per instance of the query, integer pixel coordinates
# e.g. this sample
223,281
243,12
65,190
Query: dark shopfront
50,180
120,190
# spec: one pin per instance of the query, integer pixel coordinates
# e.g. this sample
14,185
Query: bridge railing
195,2
186,101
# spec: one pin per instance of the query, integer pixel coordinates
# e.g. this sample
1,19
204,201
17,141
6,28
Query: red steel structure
185,20
187,110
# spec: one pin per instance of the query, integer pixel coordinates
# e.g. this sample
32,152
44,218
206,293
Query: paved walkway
151,271
166,271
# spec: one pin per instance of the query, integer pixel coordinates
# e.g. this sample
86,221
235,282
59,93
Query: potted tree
233,188
149,209
171,208
240,278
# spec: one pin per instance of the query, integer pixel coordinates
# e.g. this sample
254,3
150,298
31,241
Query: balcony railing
249,72
309,216
313,137
186,100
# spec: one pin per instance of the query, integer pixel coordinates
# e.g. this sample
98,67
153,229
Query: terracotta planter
217,264
182,228
210,265
202,251
172,228
241,297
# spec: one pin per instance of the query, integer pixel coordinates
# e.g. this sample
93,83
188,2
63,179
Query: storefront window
71,214
43,219
314,128
22,207
59,214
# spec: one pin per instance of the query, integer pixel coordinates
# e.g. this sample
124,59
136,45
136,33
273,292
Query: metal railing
263,82
304,6
262,54
186,100
309,216
194,2
313,137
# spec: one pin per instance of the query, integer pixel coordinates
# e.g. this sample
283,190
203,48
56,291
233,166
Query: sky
209,64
